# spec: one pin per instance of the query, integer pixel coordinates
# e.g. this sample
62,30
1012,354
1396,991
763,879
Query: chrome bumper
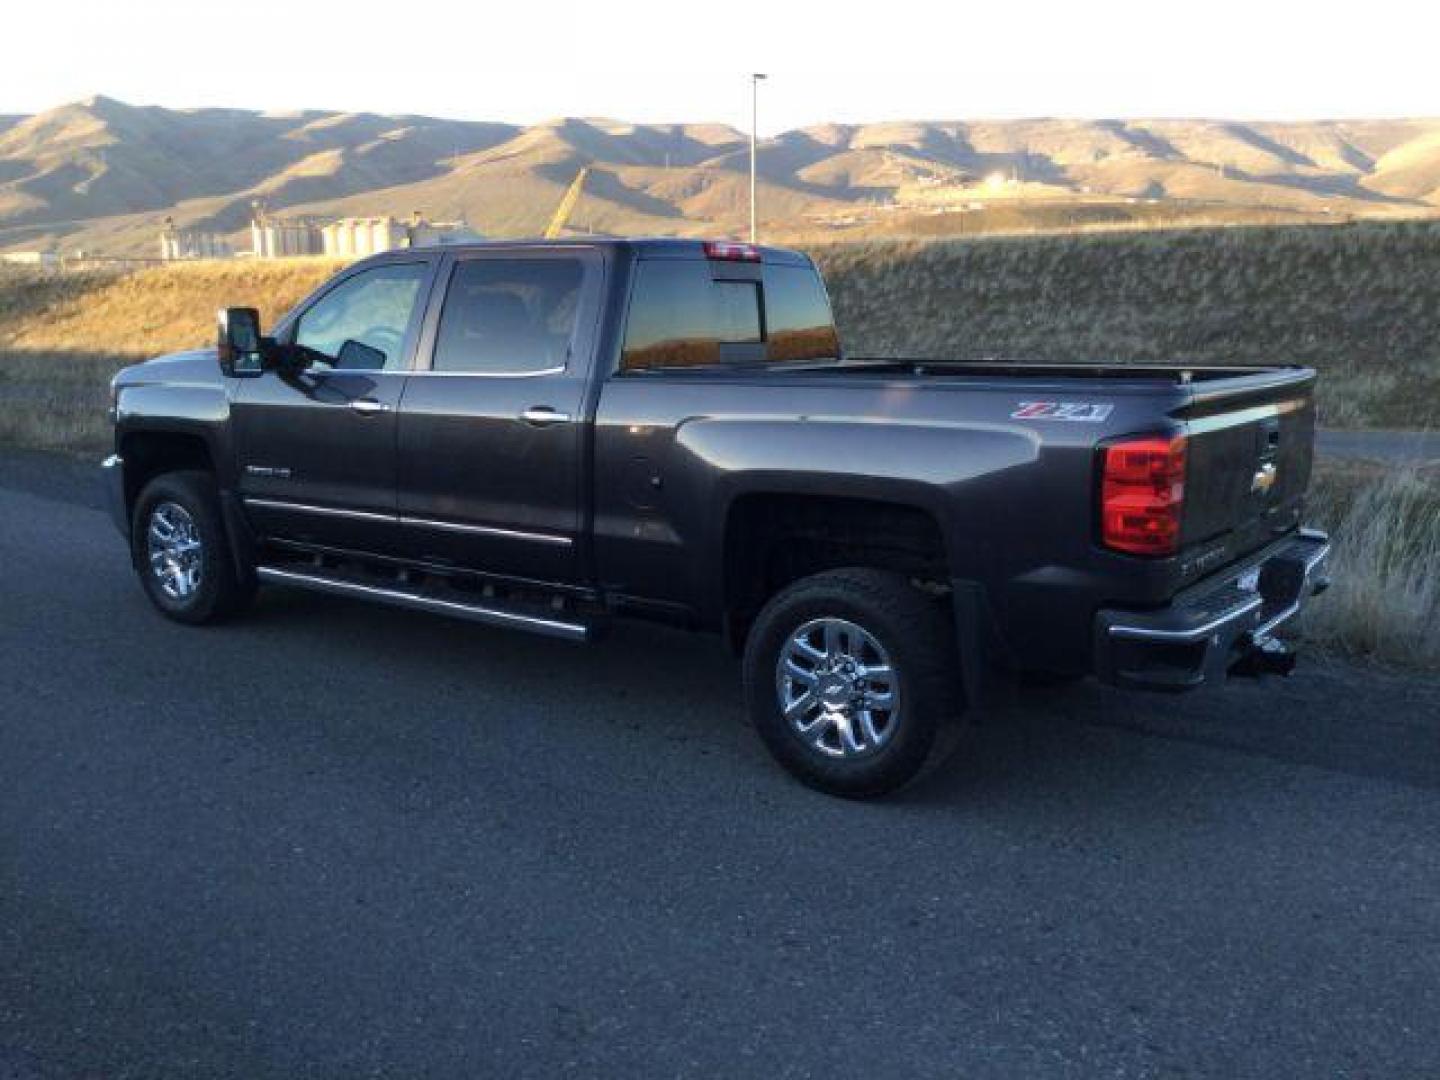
1216,624
112,479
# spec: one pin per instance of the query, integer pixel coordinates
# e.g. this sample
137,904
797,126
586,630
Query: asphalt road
339,841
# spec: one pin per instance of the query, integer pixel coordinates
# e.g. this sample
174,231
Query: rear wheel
181,552
850,679
1048,680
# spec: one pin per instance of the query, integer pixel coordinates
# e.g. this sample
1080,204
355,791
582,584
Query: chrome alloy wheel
172,542
837,688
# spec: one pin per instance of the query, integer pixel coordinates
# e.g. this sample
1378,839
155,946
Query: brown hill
100,174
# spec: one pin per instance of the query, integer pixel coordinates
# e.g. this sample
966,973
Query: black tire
220,591
1048,680
915,631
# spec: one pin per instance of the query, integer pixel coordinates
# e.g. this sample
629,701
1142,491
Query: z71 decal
1083,411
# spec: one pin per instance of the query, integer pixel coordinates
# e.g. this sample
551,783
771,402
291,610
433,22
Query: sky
691,60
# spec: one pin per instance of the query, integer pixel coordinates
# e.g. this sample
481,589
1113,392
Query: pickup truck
548,435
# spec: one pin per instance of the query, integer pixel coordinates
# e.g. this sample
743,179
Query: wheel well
147,454
774,540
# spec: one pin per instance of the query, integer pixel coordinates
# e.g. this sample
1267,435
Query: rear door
316,446
491,432
687,315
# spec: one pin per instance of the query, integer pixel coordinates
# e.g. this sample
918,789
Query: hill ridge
100,173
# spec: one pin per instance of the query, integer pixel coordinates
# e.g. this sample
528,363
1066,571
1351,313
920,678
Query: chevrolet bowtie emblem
1263,480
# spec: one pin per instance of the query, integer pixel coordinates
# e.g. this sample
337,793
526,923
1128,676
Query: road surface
340,841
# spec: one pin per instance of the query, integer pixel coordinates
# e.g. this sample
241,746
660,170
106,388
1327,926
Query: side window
362,324
680,316
509,316
797,316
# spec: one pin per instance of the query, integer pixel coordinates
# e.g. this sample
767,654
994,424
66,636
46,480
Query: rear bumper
1215,624
112,480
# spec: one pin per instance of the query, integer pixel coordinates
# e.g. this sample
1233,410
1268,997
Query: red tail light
1142,493
731,251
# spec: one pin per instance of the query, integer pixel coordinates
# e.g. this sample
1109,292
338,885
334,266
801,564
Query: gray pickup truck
547,435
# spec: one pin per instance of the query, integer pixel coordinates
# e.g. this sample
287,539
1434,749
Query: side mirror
357,356
241,348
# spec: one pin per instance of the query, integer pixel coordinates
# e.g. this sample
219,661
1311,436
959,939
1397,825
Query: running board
489,614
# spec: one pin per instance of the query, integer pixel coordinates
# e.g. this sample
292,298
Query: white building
192,244
30,258
277,238
354,238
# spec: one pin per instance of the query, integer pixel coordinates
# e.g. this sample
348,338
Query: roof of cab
649,247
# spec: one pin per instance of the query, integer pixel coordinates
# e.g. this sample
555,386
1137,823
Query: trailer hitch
1264,656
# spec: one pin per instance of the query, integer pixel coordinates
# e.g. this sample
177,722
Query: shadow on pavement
684,688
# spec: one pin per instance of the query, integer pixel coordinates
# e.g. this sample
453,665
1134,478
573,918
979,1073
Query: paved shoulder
63,477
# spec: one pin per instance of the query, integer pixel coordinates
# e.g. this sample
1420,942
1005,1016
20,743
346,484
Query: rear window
680,316
506,316
797,313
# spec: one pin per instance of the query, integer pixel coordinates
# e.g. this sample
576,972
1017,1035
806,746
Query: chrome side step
490,614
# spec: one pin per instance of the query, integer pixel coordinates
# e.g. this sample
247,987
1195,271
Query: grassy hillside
144,312
62,335
1361,303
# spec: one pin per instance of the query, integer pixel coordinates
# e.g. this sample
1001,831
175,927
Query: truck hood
192,367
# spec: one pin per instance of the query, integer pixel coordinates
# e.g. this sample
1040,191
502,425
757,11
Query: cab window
363,323
797,316
681,317
509,316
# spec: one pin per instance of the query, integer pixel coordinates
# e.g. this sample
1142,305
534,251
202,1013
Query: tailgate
1251,446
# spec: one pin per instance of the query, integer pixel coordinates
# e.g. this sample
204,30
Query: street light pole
755,81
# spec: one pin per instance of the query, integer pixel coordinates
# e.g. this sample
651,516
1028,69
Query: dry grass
63,335
145,312
1385,527
1360,303
56,401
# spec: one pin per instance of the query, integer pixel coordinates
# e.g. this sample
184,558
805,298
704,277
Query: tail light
730,251
1142,493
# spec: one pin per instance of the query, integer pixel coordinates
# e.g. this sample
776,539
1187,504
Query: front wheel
850,680
181,552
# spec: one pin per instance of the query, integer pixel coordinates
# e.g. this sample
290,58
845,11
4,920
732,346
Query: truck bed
1176,374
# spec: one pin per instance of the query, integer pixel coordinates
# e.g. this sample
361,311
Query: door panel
480,488
313,466
491,437
316,447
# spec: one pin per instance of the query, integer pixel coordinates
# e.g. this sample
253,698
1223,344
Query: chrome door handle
543,416
367,407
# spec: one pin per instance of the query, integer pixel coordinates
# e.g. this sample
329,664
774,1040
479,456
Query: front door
491,432
316,445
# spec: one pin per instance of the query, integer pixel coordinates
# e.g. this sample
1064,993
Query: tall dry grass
1361,303
1385,562
145,312
63,334
56,400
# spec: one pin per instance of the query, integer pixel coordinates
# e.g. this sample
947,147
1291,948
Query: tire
828,743
192,585
1048,680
